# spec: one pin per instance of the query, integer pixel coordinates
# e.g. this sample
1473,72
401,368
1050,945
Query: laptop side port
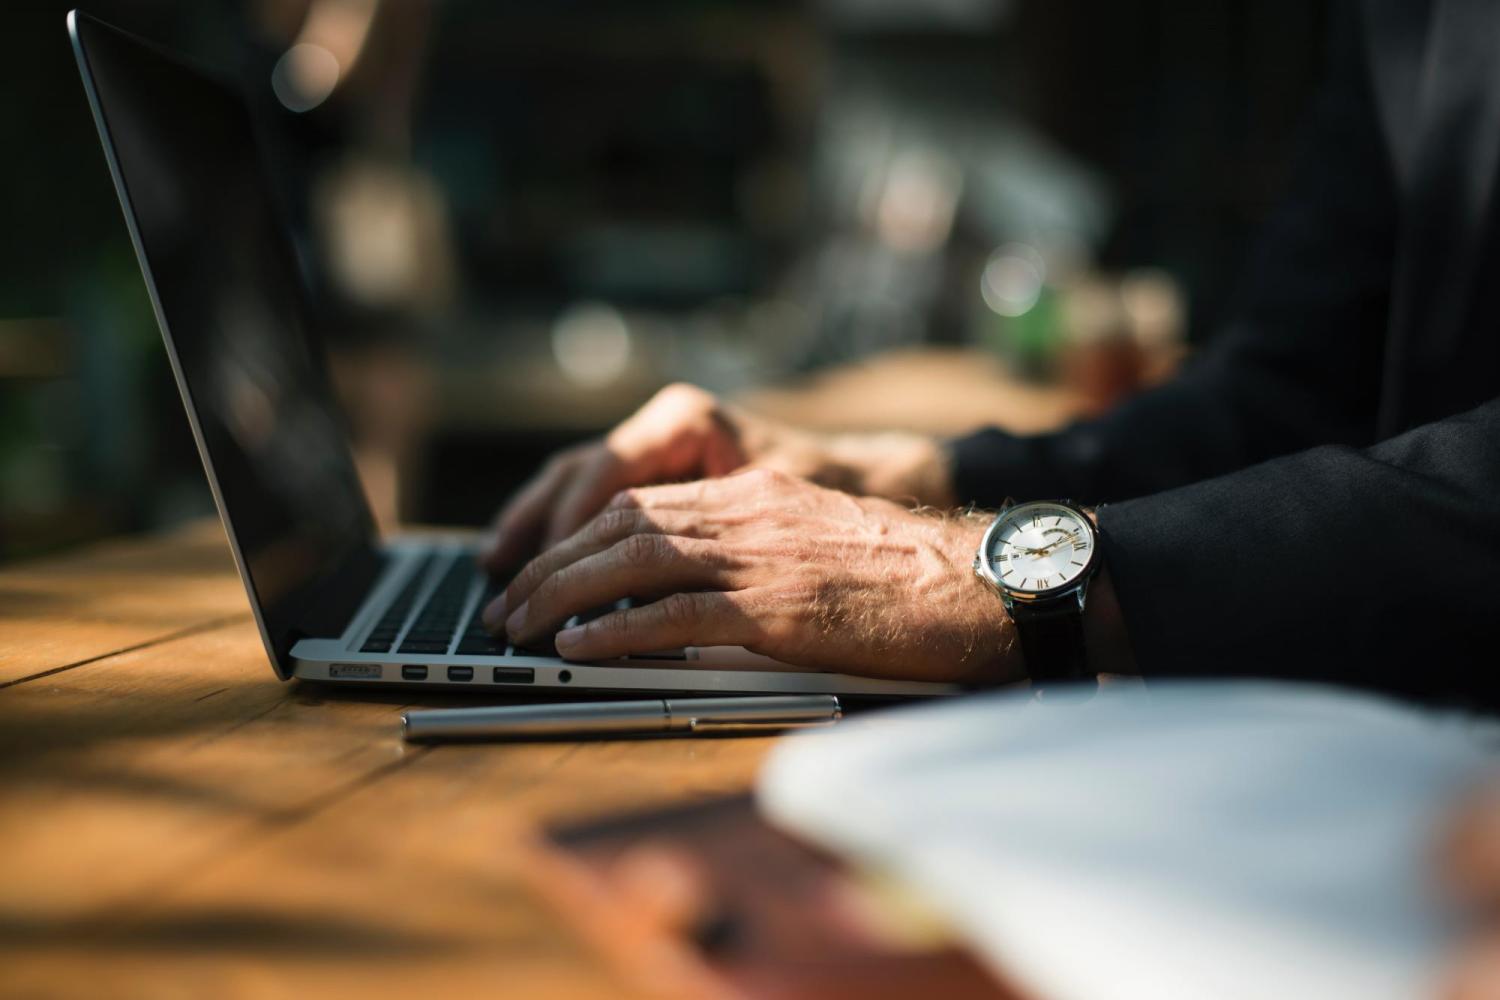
513,675
460,673
354,671
413,672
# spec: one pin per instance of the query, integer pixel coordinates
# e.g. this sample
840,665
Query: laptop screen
229,301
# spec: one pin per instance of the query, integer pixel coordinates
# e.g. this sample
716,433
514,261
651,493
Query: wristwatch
1039,557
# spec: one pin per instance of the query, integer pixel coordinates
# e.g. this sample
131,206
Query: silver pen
603,718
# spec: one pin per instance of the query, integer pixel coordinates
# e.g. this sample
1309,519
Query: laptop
334,602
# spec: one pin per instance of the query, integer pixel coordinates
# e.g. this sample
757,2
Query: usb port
460,673
513,675
413,672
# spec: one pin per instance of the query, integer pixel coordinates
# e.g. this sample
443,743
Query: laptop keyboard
441,615
476,640
437,621
447,611
384,634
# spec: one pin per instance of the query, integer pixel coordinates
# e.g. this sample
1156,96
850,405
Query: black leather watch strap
1052,641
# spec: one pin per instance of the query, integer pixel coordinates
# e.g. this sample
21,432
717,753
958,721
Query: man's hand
804,574
684,433
1469,868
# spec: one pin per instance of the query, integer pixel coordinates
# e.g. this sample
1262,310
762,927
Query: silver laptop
333,602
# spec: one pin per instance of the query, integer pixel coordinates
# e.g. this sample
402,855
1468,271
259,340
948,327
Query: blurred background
517,220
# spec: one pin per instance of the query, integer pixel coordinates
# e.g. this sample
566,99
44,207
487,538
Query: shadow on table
237,931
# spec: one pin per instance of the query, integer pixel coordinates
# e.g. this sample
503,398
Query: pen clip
765,725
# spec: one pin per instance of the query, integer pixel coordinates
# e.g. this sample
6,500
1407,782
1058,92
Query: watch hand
1047,549
1066,538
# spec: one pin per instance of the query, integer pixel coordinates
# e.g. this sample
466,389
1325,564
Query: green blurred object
1030,342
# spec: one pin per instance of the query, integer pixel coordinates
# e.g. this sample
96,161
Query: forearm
1234,407
1299,363
1375,567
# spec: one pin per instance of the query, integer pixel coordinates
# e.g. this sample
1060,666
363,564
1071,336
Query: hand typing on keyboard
687,433
804,574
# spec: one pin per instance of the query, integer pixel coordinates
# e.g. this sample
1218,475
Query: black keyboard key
438,617
389,625
410,646
483,647
541,647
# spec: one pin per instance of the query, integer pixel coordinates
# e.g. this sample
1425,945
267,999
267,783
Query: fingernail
494,613
568,638
516,620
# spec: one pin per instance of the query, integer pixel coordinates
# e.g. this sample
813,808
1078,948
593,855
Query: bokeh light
591,342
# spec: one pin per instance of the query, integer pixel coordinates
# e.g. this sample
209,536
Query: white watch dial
1040,546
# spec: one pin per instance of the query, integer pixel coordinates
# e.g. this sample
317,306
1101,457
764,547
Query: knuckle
767,478
547,591
613,523
642,550
525,581
682,610
611,625
685,394
623,500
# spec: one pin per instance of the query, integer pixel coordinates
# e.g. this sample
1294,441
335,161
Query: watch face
1036,547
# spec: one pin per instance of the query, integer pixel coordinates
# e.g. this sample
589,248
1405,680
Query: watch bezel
986,570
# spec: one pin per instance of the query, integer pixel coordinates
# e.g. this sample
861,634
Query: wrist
1103,644
994,655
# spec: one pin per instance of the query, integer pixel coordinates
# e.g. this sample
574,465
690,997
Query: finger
593,483
1476,974
645,566
1471,851
607,529
670,437
520,524
705,618
682,432
667,886
707,495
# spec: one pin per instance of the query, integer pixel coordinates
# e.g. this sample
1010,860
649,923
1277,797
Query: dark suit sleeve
1255,527
1375,567
1298,367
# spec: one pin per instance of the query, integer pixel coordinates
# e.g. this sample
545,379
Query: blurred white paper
1197,840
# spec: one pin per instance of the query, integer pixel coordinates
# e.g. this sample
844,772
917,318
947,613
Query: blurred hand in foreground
1470,870
805,574
685,433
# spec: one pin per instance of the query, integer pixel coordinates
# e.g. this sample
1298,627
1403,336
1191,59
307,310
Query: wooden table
175,822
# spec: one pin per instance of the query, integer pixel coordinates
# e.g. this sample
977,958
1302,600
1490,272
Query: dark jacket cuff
991,466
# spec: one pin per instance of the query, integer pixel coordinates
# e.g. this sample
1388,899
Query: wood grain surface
175,822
